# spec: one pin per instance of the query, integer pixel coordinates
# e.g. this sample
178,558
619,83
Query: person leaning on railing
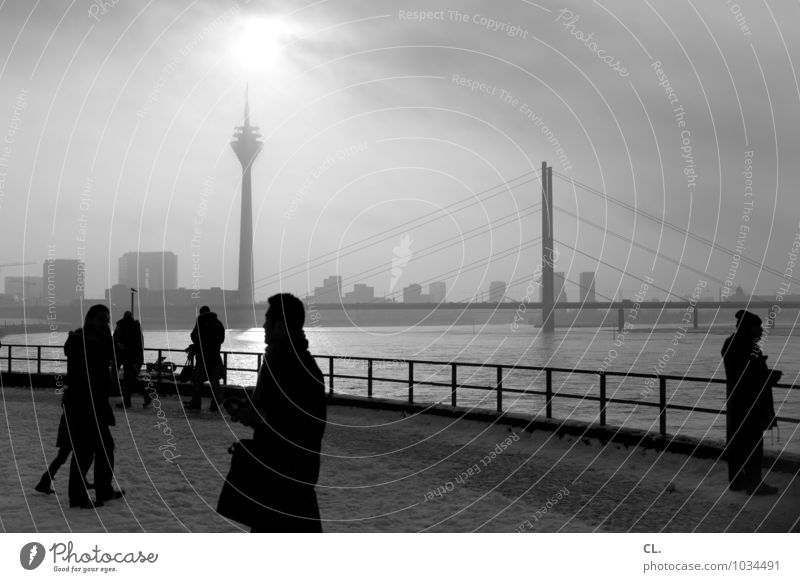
750,409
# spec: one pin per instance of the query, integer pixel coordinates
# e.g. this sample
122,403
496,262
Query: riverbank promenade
384,471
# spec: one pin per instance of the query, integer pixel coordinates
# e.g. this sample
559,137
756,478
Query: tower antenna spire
247,104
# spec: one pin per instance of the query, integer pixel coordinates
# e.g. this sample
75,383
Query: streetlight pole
133,292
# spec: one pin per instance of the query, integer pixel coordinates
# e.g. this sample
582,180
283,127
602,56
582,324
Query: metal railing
501,373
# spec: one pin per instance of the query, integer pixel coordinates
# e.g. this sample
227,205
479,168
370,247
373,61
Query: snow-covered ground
383,472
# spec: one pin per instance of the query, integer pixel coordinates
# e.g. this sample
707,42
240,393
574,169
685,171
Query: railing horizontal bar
510,367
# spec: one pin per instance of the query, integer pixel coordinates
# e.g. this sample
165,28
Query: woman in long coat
750,409
88,414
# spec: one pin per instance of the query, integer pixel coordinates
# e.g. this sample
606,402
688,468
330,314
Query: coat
129,333
290,394
750,409
208,336
89,380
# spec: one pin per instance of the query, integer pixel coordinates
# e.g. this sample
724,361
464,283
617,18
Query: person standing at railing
88,414
749,410
207,338
129,344
288,415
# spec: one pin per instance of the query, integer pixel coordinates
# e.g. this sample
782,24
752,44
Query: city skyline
358,177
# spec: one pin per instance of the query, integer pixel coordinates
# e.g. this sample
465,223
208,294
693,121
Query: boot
45,484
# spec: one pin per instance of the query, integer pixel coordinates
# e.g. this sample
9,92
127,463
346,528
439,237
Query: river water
665,350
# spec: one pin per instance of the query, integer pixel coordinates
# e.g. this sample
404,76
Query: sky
406,135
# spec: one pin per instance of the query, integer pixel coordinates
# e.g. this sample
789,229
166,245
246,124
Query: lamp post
133,292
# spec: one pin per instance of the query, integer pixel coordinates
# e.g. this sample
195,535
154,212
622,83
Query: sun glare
260,42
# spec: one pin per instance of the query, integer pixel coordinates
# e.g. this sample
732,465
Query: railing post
548,390
411,382
9,359
453,383
662,404
602,399
330,374
620,319
696,316
499,388
225,365
369,378
38,359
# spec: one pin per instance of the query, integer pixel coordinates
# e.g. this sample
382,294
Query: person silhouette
207,338
129,346
750,409
288,414
87,412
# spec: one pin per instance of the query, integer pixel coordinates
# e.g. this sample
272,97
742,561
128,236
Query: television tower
246,146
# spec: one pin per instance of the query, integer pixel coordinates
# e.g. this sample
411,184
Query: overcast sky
115,124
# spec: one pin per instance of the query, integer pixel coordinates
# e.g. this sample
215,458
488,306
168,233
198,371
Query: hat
747,319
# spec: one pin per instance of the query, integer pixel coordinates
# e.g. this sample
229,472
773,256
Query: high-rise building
330,292
587,287
559,292
497,291
437,291
154,271
63,280
30,288
246,146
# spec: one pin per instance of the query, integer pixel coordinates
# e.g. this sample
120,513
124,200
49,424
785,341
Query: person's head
127,316
97,318
205,309
749,324
285,316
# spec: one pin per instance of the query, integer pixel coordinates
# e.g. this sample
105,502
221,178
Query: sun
260,42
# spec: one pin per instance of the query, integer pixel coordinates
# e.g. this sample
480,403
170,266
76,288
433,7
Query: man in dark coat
207,338
129,344
288,414
87,412
749,410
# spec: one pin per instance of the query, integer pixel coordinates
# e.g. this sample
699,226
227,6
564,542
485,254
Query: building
413,294
119,297
586,287
360,294
154,271
497,291
559,292
30,288
437,291
63,280
330,292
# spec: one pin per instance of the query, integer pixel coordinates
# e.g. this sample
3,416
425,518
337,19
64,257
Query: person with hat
749,410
